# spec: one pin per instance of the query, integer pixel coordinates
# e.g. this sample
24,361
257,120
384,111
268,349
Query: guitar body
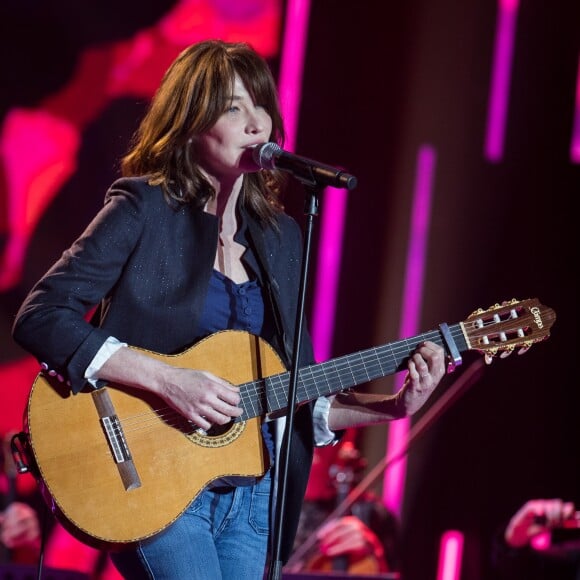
173,464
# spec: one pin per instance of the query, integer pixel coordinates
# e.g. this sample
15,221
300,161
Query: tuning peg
488,358
524,349
505,353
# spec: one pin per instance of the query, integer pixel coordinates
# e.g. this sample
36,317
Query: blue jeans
222,535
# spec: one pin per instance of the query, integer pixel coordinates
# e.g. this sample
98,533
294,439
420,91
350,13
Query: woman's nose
257,122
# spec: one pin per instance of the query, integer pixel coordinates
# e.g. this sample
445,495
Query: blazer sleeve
53,321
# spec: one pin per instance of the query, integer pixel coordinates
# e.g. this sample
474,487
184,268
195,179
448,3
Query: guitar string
318,373
251,389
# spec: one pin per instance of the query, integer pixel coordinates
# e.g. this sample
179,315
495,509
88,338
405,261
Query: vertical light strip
394,479
507,11
328,269
292,66
332,221
575,141
450,556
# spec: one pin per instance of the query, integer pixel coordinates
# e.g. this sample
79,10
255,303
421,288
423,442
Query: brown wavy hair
194,92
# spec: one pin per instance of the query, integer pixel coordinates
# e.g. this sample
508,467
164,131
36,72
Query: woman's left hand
426,369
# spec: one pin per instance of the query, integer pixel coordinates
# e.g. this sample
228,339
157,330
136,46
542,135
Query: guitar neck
270,395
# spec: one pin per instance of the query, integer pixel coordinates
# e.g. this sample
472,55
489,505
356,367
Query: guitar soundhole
218,430
218,435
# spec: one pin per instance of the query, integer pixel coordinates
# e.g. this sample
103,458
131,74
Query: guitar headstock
503,328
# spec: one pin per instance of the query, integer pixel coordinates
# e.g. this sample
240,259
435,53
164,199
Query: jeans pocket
195,506
259,516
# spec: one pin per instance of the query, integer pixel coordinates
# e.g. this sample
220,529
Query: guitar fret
254,403
365,367
361,368
281,401
382,370
252,395
312,380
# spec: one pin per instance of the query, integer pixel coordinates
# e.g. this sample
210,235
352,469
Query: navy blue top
233,306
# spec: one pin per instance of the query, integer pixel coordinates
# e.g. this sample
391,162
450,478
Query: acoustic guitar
118,465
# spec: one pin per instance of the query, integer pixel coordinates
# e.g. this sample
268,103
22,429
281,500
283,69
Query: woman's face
225,150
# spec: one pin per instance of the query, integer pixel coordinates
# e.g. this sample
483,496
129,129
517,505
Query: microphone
272,156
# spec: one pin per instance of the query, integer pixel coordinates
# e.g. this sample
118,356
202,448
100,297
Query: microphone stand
310,210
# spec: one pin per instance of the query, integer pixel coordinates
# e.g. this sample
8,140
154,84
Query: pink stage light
332,221
575,141
292,66
450,556
394,480
328,270
500,81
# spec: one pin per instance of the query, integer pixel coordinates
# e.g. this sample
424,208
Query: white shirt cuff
108,349
322,434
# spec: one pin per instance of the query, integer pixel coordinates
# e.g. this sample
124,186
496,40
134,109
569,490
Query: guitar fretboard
270,395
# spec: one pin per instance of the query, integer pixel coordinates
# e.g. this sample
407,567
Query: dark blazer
147,265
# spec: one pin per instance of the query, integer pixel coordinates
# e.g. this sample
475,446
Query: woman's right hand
202,397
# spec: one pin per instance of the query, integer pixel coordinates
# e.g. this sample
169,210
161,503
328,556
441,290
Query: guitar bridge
116,438
113,431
